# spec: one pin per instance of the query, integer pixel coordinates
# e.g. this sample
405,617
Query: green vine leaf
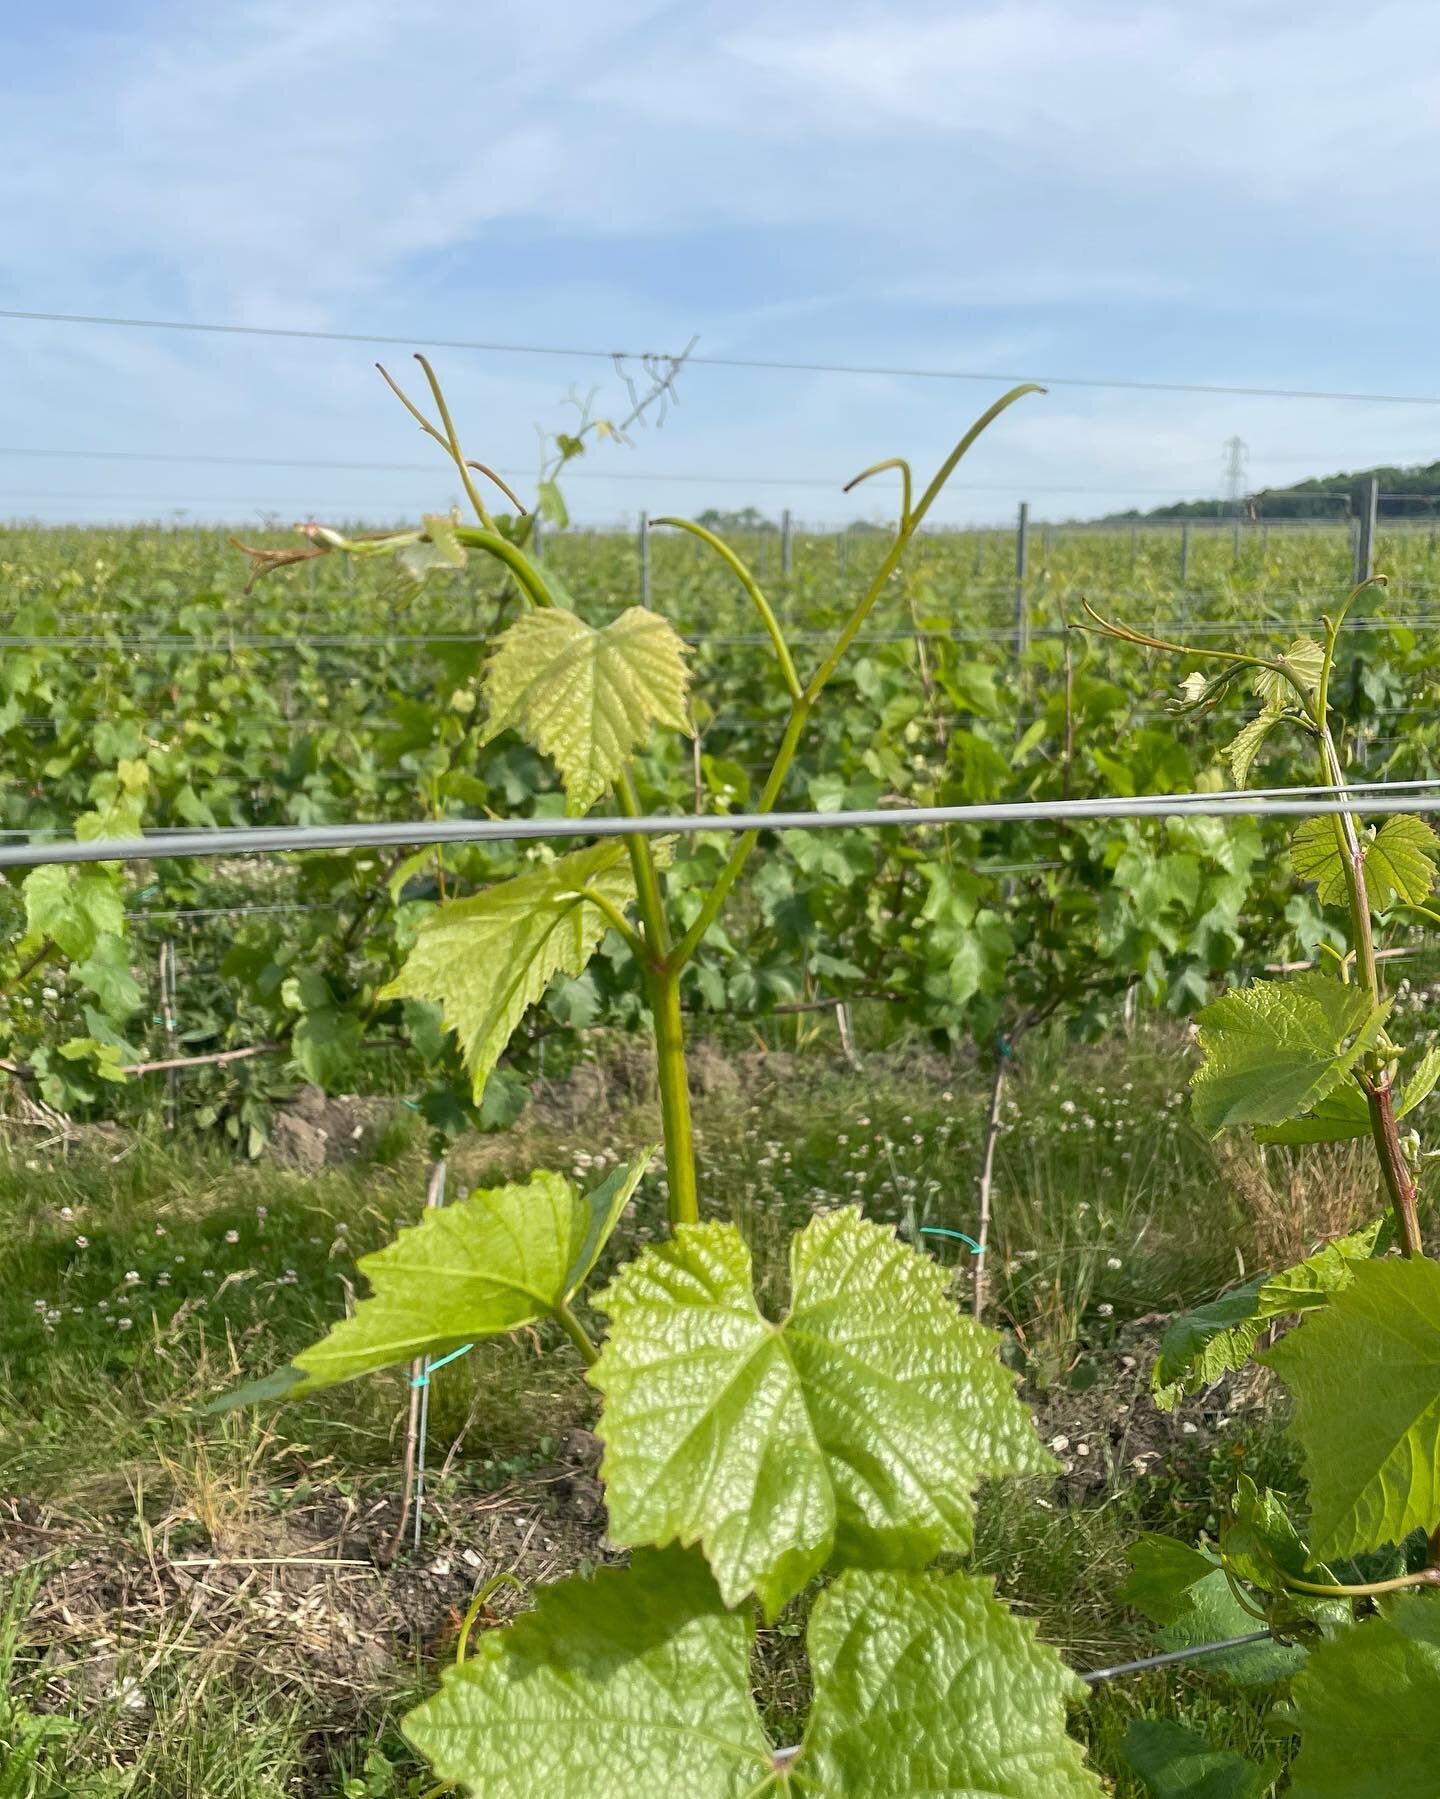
1306,661
1399,860
1219,1338
440,553
501,1258
1242,750
1368,1708
488,959
1175,1763
1364,1374
1277,1048
857,1427
73,906
632,1683
1260,1544
638,1682
1345,1114
925,1683
1185,1592
586,697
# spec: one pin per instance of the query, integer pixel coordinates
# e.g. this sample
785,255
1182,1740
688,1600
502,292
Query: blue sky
1221,193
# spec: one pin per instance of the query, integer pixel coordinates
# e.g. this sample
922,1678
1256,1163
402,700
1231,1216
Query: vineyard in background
143,686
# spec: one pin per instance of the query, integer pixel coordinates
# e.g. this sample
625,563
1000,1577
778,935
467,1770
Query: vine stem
577,1333
1375,1077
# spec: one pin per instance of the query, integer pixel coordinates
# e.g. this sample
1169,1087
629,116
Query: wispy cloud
1118,186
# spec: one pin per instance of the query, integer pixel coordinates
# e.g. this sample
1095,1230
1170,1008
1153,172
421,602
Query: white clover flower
67,1213
131,1276
82,1243
232,1236
1067,1106
1106,1311
1113,1262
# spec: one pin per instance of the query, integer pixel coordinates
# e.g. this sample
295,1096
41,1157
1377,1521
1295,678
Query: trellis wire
229,840
1094,1675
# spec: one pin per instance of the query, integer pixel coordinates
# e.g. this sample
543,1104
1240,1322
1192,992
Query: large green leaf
1175,1763
1277,1048
1185,1592
73,906
636,1683
587,697
1368,1708
498,1259
1219,1338
926,1684
1399,860
632,1684
858,1426
1344,1112
488,959
1364,1374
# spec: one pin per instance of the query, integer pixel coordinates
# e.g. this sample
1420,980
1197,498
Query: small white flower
125,1323
232,1236
67,1213
131,1277
82,1243
1113,1262
1067,1106
1106,1311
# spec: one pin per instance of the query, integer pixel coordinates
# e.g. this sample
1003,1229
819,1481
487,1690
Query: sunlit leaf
1364,1375
1277,1048
859,1426
587,697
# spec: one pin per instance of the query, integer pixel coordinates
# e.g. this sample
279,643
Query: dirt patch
314,1607
313,1130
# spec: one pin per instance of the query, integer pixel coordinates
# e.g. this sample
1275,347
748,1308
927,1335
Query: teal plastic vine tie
421,1379
934,1230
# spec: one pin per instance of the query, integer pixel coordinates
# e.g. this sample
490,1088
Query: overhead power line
691,359
235,840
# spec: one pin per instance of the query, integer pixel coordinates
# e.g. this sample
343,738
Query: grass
143,1279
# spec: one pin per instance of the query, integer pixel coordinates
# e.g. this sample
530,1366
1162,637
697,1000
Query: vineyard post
1185,550
1134,543
434,1196
1365,532
1022,569
537,534
787,545
840,550
1235,542
644,558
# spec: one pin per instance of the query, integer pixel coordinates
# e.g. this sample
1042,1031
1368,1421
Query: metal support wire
233,840
1095,1675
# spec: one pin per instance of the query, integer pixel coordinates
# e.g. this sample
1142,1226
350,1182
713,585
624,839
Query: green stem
527,577
663,988
1427,1577
457,455
577,1334
661,967
477,1604
1374,1076
617,920
735,861
752,587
